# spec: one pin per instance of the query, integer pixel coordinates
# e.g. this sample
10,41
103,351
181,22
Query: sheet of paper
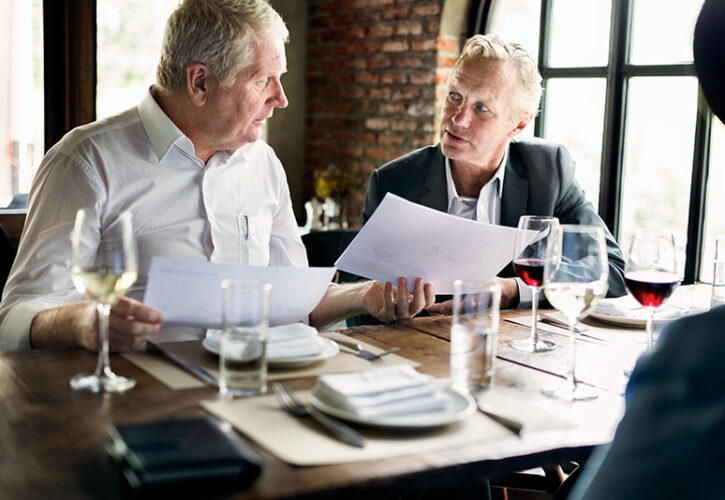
188,292
404,239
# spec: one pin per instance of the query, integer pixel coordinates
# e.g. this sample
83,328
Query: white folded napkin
283,341
628,307
382,392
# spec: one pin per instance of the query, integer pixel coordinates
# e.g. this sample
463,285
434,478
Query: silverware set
292,404
364,353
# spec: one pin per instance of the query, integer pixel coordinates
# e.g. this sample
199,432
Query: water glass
243,346
473,334
718,273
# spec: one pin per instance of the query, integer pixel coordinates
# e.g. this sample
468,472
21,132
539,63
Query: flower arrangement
332,182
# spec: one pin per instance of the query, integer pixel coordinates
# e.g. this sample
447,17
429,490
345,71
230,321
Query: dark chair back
324,247
8,250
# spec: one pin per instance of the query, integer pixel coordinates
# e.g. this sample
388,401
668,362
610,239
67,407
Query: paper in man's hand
404,239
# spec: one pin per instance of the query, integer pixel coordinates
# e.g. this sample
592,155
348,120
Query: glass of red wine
529,259
651,271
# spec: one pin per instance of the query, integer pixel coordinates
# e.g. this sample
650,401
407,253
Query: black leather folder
173,452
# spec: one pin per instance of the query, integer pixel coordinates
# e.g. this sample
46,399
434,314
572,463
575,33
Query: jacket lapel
515,193
436,195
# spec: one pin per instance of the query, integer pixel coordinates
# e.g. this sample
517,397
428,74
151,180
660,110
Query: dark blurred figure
671,440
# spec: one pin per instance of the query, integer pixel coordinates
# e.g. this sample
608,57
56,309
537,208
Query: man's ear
198,78
520,125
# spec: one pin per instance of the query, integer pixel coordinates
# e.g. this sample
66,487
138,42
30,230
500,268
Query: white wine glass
528,260
104,271
575,279
651,273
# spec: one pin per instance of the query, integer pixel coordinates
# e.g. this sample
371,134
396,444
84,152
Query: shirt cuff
524,294
15,328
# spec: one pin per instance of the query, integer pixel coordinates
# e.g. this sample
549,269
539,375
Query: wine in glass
651,271
529,258
104,271
575,278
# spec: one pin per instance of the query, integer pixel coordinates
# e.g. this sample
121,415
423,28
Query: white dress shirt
236,208
486,208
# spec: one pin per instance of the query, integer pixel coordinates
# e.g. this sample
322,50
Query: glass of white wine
576,276
104,271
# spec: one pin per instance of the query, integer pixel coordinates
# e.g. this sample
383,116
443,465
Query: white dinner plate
459,407
626,311
329,349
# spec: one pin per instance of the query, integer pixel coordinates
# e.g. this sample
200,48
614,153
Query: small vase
334,213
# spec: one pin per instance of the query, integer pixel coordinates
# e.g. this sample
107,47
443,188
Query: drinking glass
104,271
575,278
529,258
651,271
473,334
243,345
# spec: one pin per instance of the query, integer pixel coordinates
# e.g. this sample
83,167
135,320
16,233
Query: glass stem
650,327
534,314
571,375
104,365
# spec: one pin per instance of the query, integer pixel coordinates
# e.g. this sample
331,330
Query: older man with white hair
190,165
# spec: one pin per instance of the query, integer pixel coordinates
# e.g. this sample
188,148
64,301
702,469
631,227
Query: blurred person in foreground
480,171
671,440
190,165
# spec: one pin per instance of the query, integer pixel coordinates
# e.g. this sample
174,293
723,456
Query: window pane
715,208
662,32
517,21
129,44
21,97
578,126
579,33
659,139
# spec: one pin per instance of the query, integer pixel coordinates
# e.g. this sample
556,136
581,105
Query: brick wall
374,71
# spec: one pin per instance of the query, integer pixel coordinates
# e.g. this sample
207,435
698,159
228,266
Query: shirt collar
500,171
162,132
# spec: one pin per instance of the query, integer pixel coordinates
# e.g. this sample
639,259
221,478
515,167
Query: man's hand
509,297
76,325
389,304
509,292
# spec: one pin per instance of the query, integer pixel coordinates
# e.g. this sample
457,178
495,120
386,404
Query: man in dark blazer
492,94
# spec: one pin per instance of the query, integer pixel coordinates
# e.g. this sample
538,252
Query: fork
364,353
290,403
553,320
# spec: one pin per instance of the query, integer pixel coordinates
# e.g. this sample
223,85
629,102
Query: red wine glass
528,260
651,271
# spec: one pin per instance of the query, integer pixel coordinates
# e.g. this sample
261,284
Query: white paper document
188,292
404,239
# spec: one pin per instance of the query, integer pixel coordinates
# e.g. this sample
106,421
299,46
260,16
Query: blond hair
527,96
221,34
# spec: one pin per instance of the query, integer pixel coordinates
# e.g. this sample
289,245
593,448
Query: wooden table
52,438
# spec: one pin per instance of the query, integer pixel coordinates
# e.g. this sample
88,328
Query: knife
196,370
511,424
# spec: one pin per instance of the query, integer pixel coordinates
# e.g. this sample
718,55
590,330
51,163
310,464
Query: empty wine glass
104,271
651,272
575,278
529,257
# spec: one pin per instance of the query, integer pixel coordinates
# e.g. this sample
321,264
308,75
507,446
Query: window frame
617,74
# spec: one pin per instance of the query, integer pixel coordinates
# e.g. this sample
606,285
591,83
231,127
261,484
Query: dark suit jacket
539,180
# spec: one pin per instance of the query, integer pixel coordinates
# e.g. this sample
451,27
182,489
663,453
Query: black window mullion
610,192
698,192
544,37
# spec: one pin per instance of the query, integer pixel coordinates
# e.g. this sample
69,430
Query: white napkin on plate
382,392
628,307
295,340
